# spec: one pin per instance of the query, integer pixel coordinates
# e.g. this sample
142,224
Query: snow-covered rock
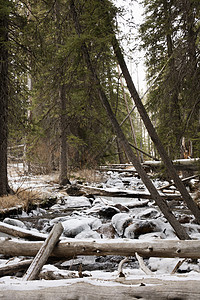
88,234
77,201
14,222
149,213
121,221
74,226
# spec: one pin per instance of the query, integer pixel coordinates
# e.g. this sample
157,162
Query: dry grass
87,175
25,198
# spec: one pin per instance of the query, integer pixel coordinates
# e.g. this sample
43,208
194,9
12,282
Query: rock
81,201
107,231
108,211
73,227
139,227
122,208
14,222
58,220
88,234
149,213
74,190
120,222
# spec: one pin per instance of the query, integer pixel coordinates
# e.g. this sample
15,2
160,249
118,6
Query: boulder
138,227
120,221
14,222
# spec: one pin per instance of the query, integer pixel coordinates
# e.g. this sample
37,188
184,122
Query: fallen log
146,289
21,232
179,164
125,247
44,252
187,179
127,193
11,268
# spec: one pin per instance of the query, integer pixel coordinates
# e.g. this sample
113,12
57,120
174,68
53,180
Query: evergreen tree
170,37
4,17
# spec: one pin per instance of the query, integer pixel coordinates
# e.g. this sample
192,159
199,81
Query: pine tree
169,36
4,17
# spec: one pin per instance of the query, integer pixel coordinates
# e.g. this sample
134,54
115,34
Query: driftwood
126,247
21,232
11,268
142,265
44,252
146,289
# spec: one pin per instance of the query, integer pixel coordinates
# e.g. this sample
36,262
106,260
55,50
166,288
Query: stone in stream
74,226
14,222
120,221
139,227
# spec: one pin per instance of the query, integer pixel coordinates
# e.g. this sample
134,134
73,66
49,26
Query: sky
128,24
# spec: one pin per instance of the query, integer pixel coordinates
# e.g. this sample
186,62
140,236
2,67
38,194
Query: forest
68,103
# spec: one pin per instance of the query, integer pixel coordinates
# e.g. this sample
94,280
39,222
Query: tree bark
11,268
3,100
180,231
126,247
145,289
21,232
44,253
63,177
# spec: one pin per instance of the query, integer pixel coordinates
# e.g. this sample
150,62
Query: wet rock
120,222
14,222
122,208
139,227
108,211
107,231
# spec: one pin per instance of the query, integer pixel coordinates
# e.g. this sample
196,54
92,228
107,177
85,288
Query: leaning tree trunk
179,230
3,103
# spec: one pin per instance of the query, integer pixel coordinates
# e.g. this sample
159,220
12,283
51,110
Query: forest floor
87,217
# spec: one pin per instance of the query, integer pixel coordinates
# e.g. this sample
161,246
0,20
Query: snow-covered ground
86,218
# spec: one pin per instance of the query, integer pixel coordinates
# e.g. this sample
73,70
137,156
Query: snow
83,221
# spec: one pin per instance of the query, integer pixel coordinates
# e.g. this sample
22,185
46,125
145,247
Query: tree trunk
67,248
44,253
63,178
180,231
123,289
3,101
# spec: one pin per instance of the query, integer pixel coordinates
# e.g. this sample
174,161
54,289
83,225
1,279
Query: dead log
127,193
44,252
172,183
21,232
120,289
179,164
11,268
125,247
